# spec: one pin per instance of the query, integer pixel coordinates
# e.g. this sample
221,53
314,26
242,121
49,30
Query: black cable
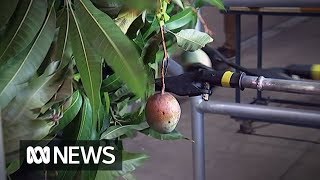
211,52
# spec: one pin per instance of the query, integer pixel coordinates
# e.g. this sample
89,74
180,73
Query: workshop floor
233,156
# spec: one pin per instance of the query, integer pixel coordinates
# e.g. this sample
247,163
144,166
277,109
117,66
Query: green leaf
114,46
126,18
76,77
217,3
7,8
129,176
70,113
29,18
117,131
89,65
119,94
174,135
111,83
150,49
110,7
136,26
20,69
130,162
153,27
65,91
85,129
179,3
138,40
36,94
181,19
62,98
107,102
13,166
191,40
88,174
122,107
19,118
64,51
66,174
82,127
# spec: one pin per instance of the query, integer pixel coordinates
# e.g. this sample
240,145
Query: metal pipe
198,137
238,52
262,113
198,132
280,85
259,49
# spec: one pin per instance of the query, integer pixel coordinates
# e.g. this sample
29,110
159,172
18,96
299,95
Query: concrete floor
233,156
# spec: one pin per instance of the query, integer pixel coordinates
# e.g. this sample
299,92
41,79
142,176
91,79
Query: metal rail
198,147
279,85
262,113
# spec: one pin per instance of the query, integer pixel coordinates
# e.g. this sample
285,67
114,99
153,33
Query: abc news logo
70,154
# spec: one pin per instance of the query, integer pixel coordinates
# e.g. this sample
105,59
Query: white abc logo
44,155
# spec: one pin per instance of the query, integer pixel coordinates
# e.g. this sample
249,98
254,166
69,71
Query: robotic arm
199,81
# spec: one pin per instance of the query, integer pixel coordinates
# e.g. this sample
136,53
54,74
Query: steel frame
285,116
259,36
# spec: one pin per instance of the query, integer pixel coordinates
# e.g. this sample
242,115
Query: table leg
259,49
238,51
